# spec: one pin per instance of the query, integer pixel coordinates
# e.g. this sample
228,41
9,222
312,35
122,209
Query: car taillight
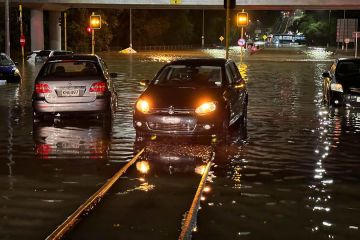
42,88
98,87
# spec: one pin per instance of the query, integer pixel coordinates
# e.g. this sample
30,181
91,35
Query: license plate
358,99
70,92
170,120
2,82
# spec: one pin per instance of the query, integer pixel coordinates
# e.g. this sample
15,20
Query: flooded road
296,175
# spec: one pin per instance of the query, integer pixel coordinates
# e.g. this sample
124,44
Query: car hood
180,97
6,69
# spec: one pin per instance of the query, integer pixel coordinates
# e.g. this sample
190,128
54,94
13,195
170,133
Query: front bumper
346,99
176,125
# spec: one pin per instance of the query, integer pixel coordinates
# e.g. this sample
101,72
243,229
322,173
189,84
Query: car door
232,94
238,87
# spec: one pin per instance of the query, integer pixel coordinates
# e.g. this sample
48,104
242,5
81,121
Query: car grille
175,111
172,123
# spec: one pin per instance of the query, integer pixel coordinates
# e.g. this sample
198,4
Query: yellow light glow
95,21
200,169
242,19
206,108
143,167
207,189
143,106
336,87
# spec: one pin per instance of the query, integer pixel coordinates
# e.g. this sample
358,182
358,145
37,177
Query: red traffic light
88,29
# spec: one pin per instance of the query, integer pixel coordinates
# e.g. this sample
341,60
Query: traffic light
88,29
242,19
232,4
95,21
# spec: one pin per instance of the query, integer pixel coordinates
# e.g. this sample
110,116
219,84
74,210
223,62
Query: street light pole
21,31
65,31
7,28
130,44
92,39
203,29
227,34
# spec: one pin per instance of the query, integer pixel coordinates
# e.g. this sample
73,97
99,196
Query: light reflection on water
295,176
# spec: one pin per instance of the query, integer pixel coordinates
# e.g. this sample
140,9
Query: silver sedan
74,84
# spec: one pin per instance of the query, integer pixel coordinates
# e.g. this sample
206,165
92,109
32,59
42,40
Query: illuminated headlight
336,87
16,71
206,108
143,106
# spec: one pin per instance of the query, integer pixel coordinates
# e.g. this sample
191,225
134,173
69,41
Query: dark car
9,73
192,97
74,84
341,84
43,55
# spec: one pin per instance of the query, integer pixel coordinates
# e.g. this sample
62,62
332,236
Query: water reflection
163,157
77,138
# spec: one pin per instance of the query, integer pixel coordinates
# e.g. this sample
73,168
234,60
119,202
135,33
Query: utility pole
7,28
130,44
21,33
227,34
203,29
65,31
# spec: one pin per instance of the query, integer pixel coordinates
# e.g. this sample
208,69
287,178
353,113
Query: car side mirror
326,75
113,75
144,82
238,84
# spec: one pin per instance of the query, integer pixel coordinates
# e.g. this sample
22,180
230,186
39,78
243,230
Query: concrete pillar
37,29
55,30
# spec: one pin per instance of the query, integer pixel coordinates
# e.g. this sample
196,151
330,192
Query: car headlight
143,106
16,71
206,108
336,87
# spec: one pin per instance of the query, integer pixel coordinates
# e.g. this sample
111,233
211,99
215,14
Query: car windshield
190,76
348,68
5,61
70,69
43,53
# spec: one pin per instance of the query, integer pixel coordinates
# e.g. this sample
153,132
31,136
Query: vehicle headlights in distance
143,106
205,108
336,87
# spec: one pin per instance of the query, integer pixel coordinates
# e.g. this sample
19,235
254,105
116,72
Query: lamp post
242,20
7,28
95,23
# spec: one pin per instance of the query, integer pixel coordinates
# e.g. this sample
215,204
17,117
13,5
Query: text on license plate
70,92
170,120
358,99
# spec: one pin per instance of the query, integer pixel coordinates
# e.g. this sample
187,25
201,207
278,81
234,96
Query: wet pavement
295,175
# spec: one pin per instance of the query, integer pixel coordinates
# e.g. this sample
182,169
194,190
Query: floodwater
295,176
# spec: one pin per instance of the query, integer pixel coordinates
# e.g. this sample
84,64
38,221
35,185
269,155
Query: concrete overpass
56,6
193,4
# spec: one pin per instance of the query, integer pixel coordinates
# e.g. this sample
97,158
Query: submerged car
74,84
9,73
192,97
341,84
44,55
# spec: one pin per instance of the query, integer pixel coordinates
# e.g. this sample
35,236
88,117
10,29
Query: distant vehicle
43,55
9,73
30,57
341,84
74,84
192,97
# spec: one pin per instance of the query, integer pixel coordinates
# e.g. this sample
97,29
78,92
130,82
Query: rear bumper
99,105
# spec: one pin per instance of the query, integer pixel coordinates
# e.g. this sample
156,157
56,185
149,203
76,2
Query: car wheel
224,130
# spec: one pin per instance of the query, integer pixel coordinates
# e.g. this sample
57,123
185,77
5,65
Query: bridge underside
194,4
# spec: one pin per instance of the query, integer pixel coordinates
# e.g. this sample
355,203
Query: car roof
86,57
200,61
